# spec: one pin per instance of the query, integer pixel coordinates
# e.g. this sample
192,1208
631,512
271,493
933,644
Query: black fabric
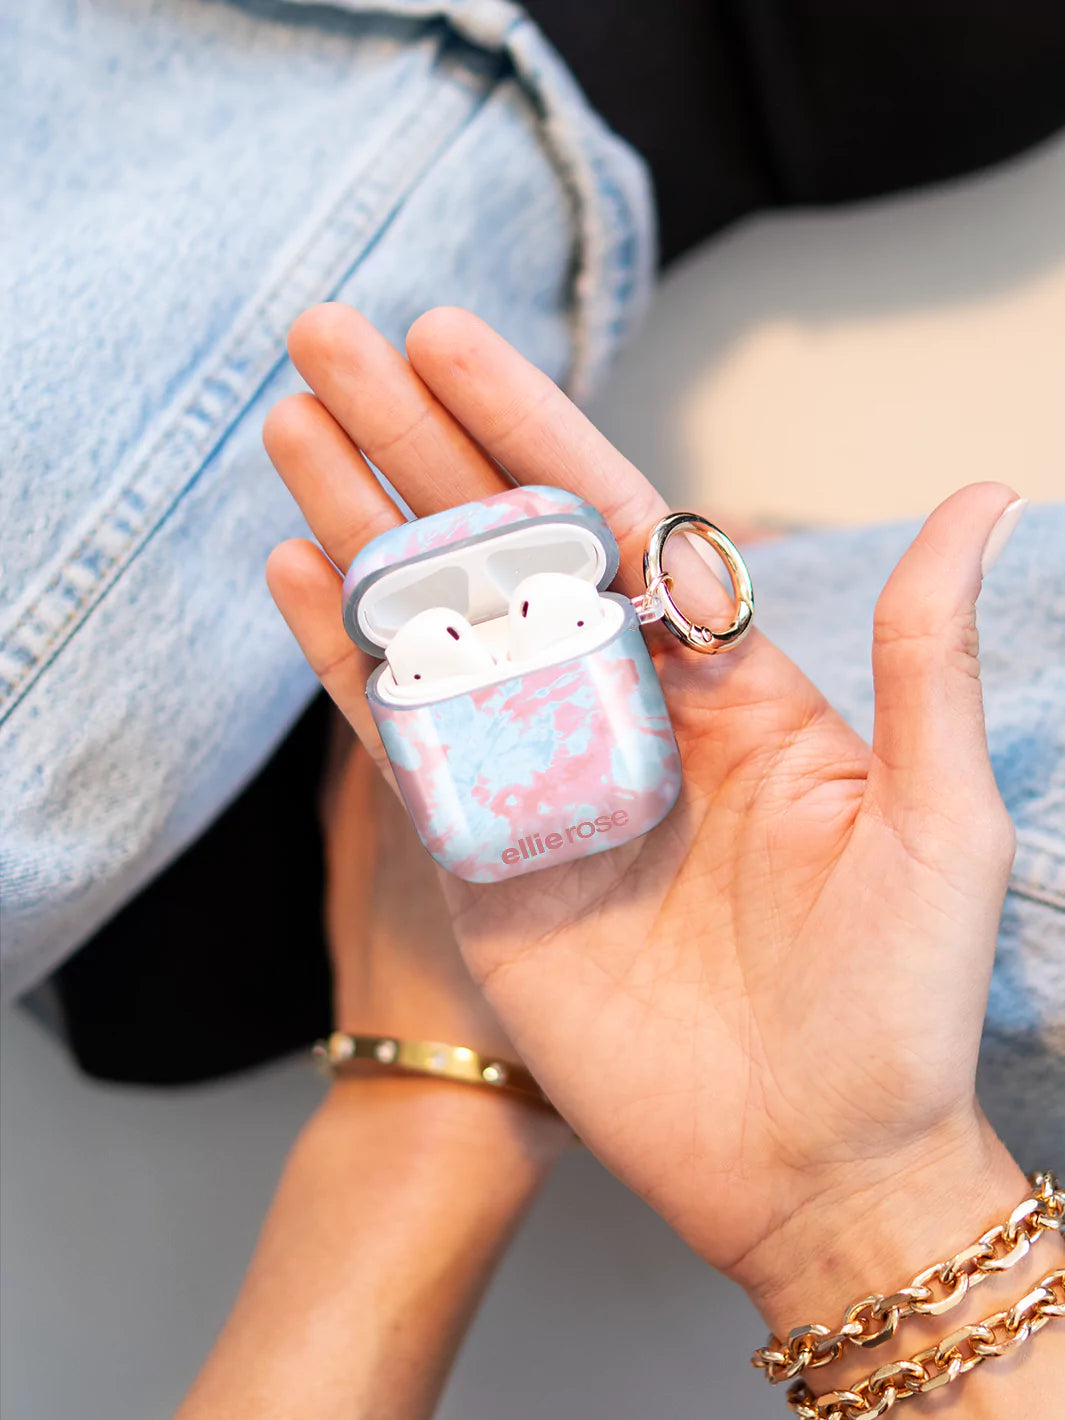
741,104
221,963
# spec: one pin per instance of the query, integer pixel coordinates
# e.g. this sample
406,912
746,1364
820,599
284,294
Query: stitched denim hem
612,283
1039,870
616,240
150,672
163,465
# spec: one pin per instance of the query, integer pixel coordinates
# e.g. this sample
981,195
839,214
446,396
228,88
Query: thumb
929,743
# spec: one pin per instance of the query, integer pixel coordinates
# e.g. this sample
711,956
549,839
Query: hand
772,1003
396,965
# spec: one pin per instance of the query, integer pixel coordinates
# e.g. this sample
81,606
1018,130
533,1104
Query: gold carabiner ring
699,638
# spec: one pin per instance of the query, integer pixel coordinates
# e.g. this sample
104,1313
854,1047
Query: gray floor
128,1217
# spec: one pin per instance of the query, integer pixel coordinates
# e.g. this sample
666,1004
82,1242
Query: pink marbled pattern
543,752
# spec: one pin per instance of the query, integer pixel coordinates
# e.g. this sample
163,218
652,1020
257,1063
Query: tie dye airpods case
522,762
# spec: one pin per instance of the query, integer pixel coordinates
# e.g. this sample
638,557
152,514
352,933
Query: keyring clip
660,584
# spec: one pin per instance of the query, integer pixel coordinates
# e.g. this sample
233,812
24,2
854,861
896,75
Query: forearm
395,1205
873,1231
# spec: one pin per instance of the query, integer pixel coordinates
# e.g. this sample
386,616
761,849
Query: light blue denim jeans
187,176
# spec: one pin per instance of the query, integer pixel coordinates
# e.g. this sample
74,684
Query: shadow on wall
858,364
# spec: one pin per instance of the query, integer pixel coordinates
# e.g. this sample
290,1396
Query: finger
523,420
344,504
307,590
375,395
929,744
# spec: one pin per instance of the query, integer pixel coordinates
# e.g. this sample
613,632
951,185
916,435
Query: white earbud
552,611
436,648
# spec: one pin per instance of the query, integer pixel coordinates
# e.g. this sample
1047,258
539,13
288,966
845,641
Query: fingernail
1001,533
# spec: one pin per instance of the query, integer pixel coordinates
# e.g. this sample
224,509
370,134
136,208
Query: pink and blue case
541,765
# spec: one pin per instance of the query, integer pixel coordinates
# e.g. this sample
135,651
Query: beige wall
859,364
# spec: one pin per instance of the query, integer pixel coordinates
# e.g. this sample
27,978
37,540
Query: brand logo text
532,845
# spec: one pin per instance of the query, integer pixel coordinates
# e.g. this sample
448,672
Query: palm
697,964
772,928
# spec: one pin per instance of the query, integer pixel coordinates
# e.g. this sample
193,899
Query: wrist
857,1226
395,1204
422,1121
872,1228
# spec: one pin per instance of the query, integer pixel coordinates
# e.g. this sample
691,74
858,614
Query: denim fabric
187,177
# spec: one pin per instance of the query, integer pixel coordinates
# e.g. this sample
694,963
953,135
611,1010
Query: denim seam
610,288
1039,873
132,510
614,270
608,297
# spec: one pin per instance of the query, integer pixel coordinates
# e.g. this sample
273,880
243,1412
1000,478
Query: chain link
940,1365
936,1290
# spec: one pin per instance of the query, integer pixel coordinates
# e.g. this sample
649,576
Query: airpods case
537,765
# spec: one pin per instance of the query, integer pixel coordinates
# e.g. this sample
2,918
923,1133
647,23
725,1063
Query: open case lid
471,558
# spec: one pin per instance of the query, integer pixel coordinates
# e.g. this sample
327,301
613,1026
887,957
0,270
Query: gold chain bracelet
956,1355
427,1057
935,1290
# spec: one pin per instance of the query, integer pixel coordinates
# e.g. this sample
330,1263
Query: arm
782,985
394,1207
400,1194
874,1230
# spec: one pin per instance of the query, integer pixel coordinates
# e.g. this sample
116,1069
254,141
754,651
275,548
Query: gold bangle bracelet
335,1055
